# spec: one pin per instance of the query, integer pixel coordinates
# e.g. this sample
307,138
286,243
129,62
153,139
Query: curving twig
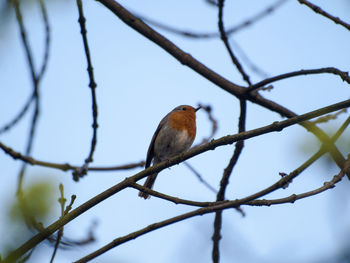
47,39
232,30
225,181
35,83
62,200
292,198
83,170
330,70
212,120
320,11
223,37
328,117
172,199
200,177
19,116
35,77
65,166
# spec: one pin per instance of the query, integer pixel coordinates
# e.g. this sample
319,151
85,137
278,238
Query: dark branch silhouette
83,170
320,11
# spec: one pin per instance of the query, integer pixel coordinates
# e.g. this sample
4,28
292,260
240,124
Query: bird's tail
149,184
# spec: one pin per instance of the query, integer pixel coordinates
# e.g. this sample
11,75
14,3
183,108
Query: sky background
138,83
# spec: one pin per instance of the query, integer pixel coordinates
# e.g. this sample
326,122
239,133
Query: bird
174,135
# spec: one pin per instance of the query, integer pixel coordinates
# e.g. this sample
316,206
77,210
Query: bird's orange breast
184,120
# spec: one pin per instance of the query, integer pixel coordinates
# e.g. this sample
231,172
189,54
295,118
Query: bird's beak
197,108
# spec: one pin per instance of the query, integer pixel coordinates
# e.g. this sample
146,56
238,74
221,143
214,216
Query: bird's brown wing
150,152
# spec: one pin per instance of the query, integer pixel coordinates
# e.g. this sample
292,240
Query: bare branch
329,117
212,120
227,45
292,198
225,181
92,85
232,30
62,200
172,199
200,178
320,11
27,48
342,74
19,116
47,39
35,83
66,166
247,60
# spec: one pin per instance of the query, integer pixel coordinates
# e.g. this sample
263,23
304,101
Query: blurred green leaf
37,201
311,145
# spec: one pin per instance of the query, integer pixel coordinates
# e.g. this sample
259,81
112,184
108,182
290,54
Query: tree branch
83,170
172,199
342,74
227,45
47,39
225,181
19,116
232,30
35,83
292,198
318,10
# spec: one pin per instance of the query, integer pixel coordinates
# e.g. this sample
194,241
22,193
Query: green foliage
35,204
310,145
36,201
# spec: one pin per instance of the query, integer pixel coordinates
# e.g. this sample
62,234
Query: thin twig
225,181
200,178
320,11
292,198
35,83
83,170
62,200
19,116
232,30
65,166
329,117
172,199
47,39
28,51
246,59
223,37
342,74
212,120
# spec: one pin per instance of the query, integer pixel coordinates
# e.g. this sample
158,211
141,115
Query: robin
174,135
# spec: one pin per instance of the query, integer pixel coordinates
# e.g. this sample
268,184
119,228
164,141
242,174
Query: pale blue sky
138,83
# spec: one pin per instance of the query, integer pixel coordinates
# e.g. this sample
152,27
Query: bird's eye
184,108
